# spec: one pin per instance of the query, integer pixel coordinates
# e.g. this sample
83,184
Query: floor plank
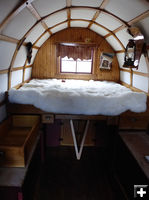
63,177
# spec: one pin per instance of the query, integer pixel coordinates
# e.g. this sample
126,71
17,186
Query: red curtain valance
75,52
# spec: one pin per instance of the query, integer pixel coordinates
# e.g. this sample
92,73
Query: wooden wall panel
46,64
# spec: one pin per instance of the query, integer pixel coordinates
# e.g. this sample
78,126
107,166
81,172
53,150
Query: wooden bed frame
128,123
126,120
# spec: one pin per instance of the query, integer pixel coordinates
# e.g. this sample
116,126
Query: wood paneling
46,64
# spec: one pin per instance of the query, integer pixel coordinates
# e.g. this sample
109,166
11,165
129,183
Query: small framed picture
106,61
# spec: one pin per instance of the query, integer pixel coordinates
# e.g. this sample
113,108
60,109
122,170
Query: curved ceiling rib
49,29
131,22
14,12
68,20
84,21
10,39
37,16
35,13
41,20
89,8
68,4
102,6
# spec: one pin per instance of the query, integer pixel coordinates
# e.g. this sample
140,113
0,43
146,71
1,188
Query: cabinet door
79,126
53,132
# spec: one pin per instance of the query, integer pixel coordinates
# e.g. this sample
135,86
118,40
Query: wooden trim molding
138,90
141,73
132,88
21,84
35,47
101,10
119,28
139,18
14,40
16,69
39,38
68,3
104,4
24,67
71,7
89,8
15,12
37,16
125,70
28,4
135,72
120,51
28,66
131,77
10,68
4,71
68,17
123,48
9,39
57,24
33,11
108,35
13,69
136,19
124,84
94,18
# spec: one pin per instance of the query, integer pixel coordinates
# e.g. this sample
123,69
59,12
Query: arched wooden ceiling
37,20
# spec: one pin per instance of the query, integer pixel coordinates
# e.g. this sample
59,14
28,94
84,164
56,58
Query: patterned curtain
75,52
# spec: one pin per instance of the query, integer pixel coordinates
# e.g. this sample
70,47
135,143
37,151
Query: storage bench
17,136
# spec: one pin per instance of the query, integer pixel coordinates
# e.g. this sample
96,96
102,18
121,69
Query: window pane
68,66
84,66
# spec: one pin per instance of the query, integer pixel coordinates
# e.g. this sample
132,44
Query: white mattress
79,97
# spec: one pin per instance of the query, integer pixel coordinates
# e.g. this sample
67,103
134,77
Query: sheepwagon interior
74,106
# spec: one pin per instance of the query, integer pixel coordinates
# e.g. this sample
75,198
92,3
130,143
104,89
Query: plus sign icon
141,192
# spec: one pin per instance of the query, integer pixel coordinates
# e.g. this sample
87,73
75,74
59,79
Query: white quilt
79,97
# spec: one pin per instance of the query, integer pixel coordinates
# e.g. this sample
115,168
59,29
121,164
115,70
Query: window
69,65
75,58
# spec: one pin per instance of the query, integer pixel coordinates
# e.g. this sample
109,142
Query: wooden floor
62,177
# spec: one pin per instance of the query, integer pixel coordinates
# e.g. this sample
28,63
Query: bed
79,97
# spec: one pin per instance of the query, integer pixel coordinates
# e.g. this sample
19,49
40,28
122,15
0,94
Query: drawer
132,122
17,136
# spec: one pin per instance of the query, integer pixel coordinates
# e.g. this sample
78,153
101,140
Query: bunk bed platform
14,108
78,97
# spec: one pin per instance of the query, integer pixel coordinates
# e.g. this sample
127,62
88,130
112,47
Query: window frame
90,73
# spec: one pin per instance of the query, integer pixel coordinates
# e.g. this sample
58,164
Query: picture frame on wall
106,61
